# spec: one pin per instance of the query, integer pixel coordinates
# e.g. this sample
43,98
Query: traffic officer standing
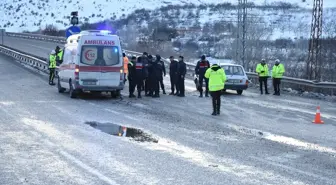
140,74
277,72
125,59
200,70
59,55
161,63
132,76
217,78
181,72
52,67
173,75
262,70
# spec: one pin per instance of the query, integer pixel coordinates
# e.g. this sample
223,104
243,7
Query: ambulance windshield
100,55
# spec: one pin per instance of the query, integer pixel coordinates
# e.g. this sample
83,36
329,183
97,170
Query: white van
92,62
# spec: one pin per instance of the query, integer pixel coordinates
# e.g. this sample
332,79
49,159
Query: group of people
277,72
146,74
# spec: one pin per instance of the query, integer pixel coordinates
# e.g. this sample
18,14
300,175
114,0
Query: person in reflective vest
200,70
140,74
131,65
262,70
59,55
277,72
125,59
217,78
52,67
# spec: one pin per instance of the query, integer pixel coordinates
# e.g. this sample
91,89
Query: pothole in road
122,131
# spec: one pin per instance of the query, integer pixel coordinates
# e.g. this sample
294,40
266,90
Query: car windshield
100,55
233,70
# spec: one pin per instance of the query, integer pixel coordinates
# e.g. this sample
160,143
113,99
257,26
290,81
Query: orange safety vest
125,65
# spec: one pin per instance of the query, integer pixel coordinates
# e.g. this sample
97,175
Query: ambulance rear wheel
59,87
115,94
72,92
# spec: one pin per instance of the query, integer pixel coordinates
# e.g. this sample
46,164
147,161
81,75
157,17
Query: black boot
164,92
206,94
139,94
201,95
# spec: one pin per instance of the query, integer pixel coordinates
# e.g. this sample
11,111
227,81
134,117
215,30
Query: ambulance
92,62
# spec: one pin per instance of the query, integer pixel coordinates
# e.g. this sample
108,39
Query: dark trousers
216,100
201,78
263,80
162,85
51,75
181,85
155,86
139,85
147,85
132,85
173,83
276,85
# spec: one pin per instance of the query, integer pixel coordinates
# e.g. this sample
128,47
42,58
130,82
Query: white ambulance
92,62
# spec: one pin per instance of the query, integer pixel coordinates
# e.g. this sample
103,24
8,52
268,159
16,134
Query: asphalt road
256,140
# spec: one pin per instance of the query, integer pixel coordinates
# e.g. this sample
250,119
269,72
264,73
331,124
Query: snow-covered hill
20,15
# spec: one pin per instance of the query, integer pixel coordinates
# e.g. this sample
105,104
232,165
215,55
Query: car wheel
72,92
59,87
115,94
240,92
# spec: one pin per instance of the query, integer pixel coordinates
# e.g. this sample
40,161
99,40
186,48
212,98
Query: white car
236,78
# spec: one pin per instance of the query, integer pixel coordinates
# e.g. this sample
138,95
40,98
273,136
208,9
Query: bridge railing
41,64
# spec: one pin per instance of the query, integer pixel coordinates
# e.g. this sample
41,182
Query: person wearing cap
217,78
132,76
173,76
125,59
200,70
181,72
262,70
52,67
277,72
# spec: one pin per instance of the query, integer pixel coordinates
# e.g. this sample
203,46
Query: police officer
59,55
140,74
181,72
145,62
200,70
161,63
262,70
150,78
155,80
173,75
217,78
277,72
132,76
52,67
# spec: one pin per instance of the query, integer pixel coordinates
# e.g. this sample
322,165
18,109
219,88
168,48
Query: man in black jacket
181,72
140,74
173,76
161,63
155,80
132,76
200,70
150,77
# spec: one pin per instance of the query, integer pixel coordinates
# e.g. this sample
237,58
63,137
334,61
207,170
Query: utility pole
241,33
314,57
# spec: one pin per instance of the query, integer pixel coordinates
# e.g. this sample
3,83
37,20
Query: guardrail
190,67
